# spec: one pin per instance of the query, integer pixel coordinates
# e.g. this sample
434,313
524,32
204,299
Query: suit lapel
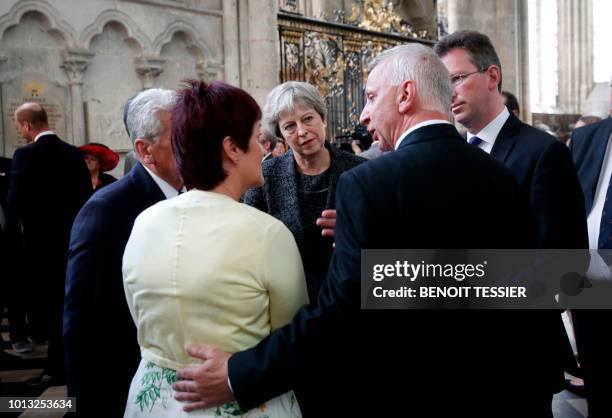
333,177
595,156
505,141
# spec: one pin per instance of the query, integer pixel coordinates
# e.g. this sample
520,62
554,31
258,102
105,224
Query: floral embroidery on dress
155,385
156,390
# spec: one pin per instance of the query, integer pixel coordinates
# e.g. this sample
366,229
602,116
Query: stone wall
85,58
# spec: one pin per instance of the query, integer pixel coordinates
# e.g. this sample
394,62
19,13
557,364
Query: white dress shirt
417,126
165,187
43,134
489,133
594,217
598,268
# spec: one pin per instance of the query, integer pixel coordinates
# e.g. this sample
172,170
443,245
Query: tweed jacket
279,194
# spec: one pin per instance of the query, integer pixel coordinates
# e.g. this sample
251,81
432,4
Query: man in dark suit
432,191
49,183
102,352
13,293
268,142
5,166
541,164
592,155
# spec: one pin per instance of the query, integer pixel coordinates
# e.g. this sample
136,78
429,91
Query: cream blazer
203,268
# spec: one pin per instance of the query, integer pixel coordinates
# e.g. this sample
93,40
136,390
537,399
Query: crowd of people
221,275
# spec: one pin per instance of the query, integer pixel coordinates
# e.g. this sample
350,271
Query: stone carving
75,64
149,68
32,88
105,124
288,5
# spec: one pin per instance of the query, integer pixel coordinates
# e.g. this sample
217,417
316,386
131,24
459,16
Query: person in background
586,120
49,183
280,148
361,140
94,306
591,148
268,141
99,158
203,267
301,184
511,103
130,158
542,166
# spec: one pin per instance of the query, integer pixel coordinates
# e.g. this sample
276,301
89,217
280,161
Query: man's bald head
31,119
33,113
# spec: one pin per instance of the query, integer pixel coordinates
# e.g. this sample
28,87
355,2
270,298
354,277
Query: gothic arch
190,31
57,26
97,27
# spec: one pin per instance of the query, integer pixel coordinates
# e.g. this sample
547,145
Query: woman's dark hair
204,114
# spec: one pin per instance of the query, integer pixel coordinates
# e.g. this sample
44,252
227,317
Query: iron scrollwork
334,57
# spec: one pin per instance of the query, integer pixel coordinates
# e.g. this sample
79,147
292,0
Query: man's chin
461,118
385,146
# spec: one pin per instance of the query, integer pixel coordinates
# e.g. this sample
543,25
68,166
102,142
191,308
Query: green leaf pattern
155,386
156,389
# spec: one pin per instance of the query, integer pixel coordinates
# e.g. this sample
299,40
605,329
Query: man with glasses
542,165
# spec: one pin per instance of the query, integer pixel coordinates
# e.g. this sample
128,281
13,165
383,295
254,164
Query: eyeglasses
458,79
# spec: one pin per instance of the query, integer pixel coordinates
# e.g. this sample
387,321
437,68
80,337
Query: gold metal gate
334,57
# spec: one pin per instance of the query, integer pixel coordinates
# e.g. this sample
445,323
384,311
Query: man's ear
143,150
230,149
406,96
494,74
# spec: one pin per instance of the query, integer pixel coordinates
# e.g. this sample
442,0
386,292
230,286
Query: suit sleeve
85,263
557,200
268,369
18,184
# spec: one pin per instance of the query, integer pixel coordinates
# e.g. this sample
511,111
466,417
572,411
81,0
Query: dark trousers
48,284
17,289
593,329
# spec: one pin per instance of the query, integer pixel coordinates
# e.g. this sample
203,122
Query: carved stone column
149,68
575,56
231,43
257,48
421,14
75,64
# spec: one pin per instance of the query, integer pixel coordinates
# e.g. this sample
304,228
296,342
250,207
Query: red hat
108,158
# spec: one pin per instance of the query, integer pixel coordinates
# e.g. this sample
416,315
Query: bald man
49,183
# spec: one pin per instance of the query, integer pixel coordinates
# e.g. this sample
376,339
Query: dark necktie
474,141
605,229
